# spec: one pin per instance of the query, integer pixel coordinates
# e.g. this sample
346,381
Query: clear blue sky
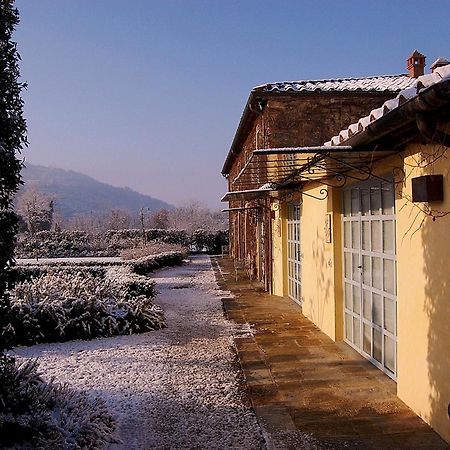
148,93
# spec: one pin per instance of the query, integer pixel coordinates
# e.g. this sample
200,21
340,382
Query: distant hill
75,193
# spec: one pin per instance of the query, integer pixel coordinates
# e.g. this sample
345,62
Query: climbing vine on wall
430,159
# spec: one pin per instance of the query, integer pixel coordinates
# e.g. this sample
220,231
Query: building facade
358,226
285,115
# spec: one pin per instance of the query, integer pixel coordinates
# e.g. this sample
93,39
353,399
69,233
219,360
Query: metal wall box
428,188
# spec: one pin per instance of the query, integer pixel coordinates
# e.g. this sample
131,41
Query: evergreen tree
12,140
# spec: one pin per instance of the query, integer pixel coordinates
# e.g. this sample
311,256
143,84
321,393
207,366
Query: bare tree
89,222
58,222
36,209
159,219
118,219
194,216
142,223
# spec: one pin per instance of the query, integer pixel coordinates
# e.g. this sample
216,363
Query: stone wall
288,121
312,119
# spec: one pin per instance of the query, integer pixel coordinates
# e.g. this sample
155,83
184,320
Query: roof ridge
331,80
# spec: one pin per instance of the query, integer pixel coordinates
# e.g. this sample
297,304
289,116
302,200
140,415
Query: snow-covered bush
149,261
151,249
39,414
27,271
180,237
130,284
61,305
65,244
209,241
148,264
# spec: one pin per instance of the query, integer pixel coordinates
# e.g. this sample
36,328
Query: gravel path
176,388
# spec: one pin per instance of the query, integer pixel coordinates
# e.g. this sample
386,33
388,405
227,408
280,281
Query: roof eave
247,117
430,99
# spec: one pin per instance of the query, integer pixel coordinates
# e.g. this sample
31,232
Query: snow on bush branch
148,264
48,244
60,306
39,414
140,265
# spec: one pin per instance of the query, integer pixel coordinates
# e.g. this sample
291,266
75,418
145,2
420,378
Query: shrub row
98,268
180,237
39,414
211,242
79,300
50,244
61,305
152,248
25,272
66,244
148,264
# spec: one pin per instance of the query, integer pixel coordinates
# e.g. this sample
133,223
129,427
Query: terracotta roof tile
383,83
407,93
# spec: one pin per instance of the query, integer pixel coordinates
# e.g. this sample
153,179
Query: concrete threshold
307,390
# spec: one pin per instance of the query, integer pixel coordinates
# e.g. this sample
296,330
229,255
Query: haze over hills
76,193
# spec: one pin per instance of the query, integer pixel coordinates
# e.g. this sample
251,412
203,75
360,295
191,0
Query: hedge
67,244
148,264
60,306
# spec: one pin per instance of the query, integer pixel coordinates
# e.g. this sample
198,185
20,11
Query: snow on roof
440,62
382,83
267,187
415,87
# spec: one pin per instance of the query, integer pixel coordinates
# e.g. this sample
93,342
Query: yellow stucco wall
279,250
423,289
423,283
321,288
318,263
338,264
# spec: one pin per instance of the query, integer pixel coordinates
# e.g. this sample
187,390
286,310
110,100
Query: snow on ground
176,388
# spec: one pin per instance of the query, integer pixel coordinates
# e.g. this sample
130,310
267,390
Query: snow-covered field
177,388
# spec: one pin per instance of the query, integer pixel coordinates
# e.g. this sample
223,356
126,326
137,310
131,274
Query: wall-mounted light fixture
428,188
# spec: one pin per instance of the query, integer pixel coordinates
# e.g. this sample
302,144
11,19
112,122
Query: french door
370,308
294,253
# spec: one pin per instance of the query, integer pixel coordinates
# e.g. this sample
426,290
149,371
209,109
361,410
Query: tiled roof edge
264,87
422,83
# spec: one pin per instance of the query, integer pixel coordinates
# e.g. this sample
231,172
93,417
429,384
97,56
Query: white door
294,252
370,309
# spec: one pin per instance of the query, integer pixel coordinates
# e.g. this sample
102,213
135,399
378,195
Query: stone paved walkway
299,379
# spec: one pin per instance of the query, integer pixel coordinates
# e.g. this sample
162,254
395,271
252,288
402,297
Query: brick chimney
440,62
416,64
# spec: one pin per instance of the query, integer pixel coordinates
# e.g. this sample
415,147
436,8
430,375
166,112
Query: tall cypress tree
12,140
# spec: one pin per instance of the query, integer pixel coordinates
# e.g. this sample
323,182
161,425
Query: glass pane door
294,252
370,305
